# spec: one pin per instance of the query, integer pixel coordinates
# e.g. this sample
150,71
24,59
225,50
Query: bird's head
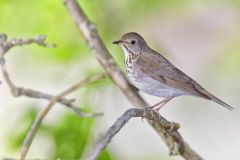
131,43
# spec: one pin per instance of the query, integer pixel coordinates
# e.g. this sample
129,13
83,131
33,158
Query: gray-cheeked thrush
152,73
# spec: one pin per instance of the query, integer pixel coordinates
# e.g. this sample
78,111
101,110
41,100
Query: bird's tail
207,95
219,101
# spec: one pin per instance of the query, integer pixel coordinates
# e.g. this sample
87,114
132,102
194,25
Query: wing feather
162,70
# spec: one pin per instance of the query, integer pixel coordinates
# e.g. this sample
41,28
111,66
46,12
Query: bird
153,74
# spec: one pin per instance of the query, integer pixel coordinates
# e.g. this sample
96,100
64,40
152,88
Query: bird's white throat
125,51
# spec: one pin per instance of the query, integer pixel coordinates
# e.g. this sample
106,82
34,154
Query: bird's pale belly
153,87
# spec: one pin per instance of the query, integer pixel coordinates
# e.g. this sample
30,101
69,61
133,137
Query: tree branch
171,128
89,32
42,114
94,41
5,46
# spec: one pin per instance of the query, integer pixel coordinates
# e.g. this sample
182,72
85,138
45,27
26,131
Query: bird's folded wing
162,70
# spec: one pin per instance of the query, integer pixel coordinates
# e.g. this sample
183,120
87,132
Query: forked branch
5,46
42,114
16,91
170,127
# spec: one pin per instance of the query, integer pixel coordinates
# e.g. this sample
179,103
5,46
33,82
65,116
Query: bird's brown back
159,68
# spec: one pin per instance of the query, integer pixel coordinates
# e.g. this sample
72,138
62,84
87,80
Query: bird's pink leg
159,105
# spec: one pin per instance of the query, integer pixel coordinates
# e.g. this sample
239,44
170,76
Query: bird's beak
117,42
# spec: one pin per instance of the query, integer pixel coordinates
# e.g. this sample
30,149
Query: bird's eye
133,42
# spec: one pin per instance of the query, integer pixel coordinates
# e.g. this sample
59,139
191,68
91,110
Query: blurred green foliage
15,139
29,18
70,135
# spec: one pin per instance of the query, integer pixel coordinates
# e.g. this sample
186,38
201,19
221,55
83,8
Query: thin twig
89,32
41,115
39,40
5,46
170,127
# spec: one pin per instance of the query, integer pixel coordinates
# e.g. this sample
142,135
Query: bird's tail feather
205,94
219,101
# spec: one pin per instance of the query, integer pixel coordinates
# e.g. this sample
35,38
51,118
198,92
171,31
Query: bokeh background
201,37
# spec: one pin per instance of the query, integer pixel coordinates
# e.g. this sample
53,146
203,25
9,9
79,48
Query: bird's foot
156,108
150,113
147,108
